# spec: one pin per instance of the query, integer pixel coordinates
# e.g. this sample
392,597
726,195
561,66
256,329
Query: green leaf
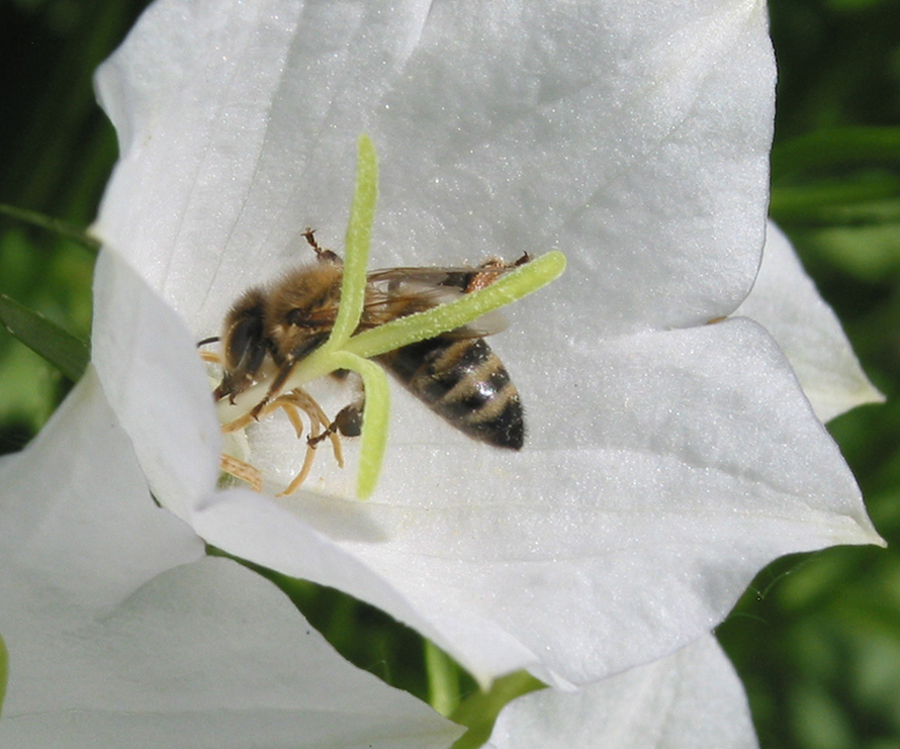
836,147
52,225
59,347
870,199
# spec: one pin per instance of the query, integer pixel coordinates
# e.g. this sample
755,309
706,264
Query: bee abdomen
465,382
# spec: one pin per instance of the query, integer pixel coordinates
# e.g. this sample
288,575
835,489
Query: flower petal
690,461
785,301
63,523
632,135
177,664
156,385
116,639
690,700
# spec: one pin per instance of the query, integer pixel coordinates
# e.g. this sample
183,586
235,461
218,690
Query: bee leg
326,256
275,388
483,276
310,236
299,400
241,470
348,422
263,409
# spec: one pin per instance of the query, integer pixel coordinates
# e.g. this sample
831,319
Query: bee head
244,344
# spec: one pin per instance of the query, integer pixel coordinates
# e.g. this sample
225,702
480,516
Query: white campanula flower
667,459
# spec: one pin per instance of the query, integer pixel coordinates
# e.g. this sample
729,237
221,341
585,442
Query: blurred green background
817,637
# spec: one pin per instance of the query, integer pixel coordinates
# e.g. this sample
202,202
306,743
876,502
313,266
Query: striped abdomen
464,381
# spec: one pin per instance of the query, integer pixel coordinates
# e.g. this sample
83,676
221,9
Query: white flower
667,460
121,633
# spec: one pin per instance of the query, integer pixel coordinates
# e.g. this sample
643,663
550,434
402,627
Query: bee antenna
207,341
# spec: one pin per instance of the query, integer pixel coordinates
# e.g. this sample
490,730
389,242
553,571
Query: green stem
53,225
443,680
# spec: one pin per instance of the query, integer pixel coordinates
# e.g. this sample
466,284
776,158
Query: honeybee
269,330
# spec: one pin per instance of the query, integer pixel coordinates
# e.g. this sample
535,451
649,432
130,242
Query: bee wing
449,277
398,292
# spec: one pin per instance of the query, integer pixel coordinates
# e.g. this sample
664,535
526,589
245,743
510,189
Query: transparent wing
399,292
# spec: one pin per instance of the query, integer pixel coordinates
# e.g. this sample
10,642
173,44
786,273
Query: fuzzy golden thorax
301,309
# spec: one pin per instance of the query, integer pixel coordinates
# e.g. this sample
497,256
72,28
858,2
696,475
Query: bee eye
246,345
